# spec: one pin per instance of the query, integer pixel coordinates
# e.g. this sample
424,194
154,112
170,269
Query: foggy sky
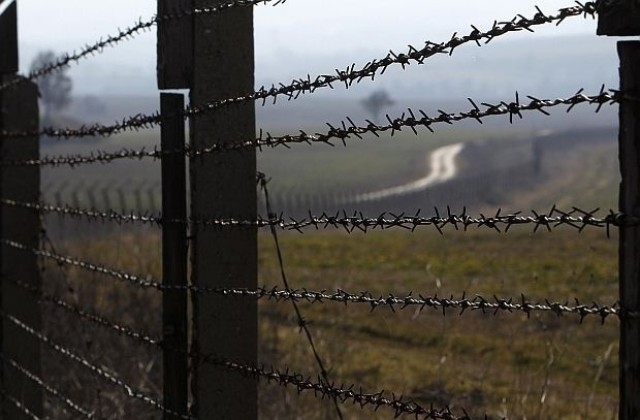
323,28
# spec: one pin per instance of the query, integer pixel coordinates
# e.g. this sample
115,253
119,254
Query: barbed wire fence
216,349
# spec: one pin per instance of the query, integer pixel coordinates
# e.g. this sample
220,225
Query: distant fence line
517,170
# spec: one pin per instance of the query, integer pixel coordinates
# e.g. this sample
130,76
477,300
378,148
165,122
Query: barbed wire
89,214
48,388
322,388
349,76
245,369
422,302
118,328
355,221
286,378
145,282
341,296
137,335
100,321
342,393
346,129
127,34
18,404
129,390
303,324
46,243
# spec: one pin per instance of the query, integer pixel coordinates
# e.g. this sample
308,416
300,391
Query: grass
363,165
502,365
488,364
499,364
588,177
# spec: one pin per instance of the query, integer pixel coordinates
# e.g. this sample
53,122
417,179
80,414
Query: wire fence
29,255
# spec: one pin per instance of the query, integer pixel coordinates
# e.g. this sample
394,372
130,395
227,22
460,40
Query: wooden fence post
174,72
224,185
9,38
630,236
18,112
174,255
622,18
175,48
619,17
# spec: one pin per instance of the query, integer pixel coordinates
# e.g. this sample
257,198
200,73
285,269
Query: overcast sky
296,28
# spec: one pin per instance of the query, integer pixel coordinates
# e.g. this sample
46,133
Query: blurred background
543,367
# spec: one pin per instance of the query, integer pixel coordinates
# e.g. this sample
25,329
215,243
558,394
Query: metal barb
127,34
349,76
575,218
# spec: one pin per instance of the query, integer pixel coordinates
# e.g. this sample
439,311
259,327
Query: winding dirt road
442,162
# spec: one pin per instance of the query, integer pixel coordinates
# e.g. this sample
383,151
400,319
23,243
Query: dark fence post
174,254
175,63
619,17
18,112
9,39
175,46
224,185
630,236
622,18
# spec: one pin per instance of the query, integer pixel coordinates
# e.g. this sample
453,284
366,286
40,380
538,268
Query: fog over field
553,62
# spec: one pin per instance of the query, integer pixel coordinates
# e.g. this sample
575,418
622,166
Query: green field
362,165
489,364
502,365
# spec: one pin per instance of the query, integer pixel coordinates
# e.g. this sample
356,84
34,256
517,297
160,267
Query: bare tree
376,102
55,88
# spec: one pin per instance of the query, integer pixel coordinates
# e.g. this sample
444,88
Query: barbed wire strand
94,318
19,405
303,324
341,393
320,388
345,130
418,303
349,76
258,373
129,390
391,301
48,388
128,34
422,302
47,242
89,214
342,296
575,218
145,282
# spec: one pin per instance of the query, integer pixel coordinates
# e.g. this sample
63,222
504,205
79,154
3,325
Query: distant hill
545,65
540,66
